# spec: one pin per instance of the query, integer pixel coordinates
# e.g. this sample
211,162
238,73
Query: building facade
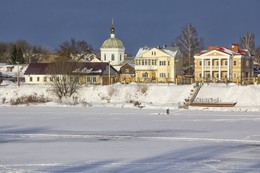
158,64
96,73
223,64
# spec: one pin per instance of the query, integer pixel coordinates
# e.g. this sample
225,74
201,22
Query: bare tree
65,81
74,47
190,44
247,41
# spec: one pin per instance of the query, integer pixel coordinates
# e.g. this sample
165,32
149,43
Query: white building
112,50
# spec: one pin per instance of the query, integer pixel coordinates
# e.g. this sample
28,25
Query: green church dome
112,43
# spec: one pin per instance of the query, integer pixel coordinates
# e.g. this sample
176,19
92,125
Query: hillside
148,95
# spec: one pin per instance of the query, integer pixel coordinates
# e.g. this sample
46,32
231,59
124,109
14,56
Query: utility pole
18,75
109,72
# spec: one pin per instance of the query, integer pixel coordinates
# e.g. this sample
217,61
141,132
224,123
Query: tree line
22,52
188,41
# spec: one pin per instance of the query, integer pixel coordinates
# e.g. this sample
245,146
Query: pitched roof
83,68
225,50
172,51
36,68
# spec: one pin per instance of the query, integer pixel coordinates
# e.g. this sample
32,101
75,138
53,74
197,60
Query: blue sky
137,22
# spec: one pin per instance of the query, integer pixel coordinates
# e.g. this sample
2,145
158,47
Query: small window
38,79
208,63
113,57
45,79
217,63
168,63
247,63
51,79
200,75
31,79
120,57
226,63
127,70
94,79
162,75
105,57
145,75
235,63
200,63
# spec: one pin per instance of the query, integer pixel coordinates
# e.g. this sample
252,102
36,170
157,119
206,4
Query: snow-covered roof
171,51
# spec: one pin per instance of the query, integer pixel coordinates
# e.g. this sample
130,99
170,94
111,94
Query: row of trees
23,52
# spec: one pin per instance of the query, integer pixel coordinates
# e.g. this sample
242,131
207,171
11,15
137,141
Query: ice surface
108,139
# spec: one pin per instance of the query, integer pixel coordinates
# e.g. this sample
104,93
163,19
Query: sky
138,22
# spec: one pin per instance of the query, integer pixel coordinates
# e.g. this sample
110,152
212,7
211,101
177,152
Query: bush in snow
3,100
29,99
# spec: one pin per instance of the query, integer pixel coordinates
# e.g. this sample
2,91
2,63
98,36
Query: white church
112,50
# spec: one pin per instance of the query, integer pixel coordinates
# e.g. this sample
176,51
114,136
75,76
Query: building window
105,57
217,63
226,63
142,62
113,57
208,63
200,75
145,75
120,57
51,79
38,79
94,79
127,70
162,63
235,75
217,75
45,79
235,63
247,63
200,63
162,75
168,63
31,79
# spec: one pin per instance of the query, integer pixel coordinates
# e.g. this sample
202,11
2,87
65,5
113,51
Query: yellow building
223,64
160,64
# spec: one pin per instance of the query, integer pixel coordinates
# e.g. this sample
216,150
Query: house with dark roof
223,64
98,73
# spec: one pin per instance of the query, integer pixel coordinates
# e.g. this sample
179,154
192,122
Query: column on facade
202,67
228,68
211,74
219,68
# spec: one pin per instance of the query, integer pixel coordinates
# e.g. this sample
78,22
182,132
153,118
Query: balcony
145,67
215,68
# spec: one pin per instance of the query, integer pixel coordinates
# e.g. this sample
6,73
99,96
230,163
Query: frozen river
124,140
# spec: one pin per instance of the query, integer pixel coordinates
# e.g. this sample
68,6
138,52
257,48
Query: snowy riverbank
148,95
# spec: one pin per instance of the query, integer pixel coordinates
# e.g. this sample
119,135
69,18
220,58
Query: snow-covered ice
126,140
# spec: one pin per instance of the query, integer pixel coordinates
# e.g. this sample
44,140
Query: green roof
112,43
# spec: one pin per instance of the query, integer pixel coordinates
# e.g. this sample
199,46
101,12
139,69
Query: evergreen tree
19,57
14,55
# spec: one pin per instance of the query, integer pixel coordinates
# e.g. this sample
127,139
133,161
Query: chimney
212,47
235,47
